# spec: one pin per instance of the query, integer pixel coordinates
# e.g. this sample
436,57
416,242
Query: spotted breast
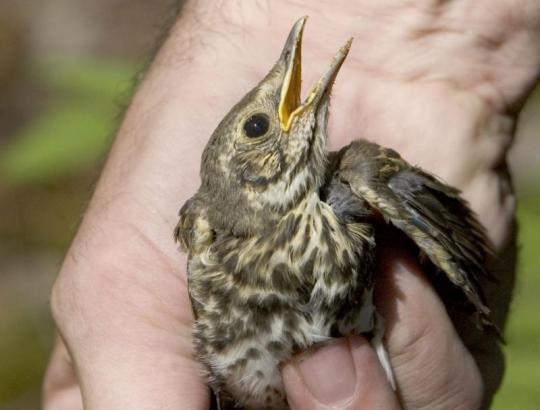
258,300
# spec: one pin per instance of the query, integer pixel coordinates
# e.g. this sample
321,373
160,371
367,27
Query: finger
343,375
433,369
60,388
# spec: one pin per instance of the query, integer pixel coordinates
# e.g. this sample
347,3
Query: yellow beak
289,105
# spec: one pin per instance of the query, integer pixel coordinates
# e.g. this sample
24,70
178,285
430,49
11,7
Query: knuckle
58,301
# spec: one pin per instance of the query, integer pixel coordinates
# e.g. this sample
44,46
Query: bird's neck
288,193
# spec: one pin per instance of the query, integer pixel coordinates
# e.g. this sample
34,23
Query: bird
281,235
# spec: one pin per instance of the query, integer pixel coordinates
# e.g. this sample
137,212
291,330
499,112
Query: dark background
67,68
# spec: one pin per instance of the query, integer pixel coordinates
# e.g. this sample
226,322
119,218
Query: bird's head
269,151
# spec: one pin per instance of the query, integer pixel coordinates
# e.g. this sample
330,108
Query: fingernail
329,373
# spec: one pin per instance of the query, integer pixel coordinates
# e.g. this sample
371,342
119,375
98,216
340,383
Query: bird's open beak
289,104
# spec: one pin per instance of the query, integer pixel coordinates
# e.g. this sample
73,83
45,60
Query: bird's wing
194,235
428,211
193,232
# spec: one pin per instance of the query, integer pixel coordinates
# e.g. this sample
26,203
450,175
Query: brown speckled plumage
280,235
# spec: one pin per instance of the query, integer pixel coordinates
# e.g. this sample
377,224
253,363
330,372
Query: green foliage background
46,174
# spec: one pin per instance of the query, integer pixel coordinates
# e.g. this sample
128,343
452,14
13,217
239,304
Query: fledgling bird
281,234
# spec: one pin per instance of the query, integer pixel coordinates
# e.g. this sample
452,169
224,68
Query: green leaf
72,134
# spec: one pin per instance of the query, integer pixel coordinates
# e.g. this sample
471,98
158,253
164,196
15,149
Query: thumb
344,375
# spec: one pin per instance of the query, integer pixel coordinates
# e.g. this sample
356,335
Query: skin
442,82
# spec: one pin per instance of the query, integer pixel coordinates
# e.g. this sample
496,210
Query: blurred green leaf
74,132
89,76
24,349
521,387
63,142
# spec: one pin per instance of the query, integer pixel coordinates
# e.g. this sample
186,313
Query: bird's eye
256,126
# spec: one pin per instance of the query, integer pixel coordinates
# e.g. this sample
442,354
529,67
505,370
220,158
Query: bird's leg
378,344
220,402
369,323
214,401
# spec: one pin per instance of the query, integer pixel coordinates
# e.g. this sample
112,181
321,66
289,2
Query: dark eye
256,126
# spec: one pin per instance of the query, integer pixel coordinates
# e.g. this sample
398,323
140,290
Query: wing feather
429,212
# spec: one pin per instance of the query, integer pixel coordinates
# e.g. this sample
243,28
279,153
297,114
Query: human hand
442,82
